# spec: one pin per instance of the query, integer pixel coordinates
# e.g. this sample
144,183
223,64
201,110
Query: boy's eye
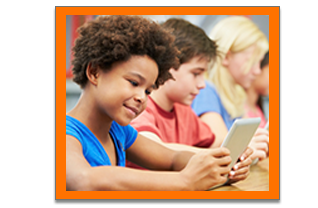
135,84
196,74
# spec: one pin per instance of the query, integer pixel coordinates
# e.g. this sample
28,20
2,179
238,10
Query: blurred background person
242,46
259,88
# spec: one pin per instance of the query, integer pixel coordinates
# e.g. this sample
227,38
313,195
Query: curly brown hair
109,39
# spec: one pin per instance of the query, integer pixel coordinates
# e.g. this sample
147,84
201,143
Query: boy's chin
123,122
186,102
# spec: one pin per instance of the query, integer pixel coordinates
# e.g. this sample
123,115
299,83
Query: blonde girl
241,46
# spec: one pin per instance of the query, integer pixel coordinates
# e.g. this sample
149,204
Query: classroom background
206,22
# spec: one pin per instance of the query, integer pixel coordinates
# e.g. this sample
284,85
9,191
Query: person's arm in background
217,125
172,146
207,106
260,144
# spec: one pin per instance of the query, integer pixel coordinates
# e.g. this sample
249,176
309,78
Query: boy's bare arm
147,153
201,172
173,146
81,176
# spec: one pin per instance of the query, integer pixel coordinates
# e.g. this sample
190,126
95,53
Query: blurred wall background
206,22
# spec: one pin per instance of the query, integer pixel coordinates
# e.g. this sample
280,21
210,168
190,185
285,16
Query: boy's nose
201,82
140,97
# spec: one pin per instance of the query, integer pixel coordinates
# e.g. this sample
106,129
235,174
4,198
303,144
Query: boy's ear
92,73
172,70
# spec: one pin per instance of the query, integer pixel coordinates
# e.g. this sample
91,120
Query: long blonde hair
234,33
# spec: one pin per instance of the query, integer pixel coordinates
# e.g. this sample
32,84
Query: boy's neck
160,98
86,111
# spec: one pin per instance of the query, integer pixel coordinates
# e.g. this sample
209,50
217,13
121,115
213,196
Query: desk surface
258,179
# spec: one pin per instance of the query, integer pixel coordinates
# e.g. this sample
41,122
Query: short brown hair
191,40
109,39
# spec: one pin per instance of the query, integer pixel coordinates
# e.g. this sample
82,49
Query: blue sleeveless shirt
93,151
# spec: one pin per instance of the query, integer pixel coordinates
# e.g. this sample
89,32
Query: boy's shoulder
126,135
80,131
184,111
154,110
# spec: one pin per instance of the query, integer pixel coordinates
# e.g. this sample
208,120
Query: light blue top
208,100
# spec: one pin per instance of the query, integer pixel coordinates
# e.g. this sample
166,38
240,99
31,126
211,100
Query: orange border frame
61,13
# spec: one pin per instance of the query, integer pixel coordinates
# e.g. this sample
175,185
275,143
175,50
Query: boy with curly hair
118,61
168,118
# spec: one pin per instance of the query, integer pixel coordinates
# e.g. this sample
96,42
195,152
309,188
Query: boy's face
122,92
189,79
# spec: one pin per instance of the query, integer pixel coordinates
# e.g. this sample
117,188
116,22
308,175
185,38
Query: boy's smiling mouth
132,110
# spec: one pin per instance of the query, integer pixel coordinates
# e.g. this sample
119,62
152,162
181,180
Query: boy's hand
207,169
240,170
260,144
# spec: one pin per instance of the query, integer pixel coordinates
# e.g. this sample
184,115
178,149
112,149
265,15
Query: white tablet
239,136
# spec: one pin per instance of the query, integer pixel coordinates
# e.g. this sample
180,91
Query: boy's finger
240,171
242,174
248,152
224,170
219,152
224,160
245,163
